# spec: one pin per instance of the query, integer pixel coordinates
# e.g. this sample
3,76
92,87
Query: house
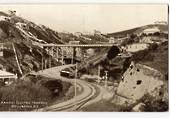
77,34
22,25
7,77
136,47
4,18
74,42
146,39
12,12
161,22
112,40
96,32
151,30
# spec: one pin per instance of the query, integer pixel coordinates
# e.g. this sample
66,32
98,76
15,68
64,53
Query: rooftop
4,74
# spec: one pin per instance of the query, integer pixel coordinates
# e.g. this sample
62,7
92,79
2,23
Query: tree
112,53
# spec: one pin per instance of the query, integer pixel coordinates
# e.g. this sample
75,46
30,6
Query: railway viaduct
57,51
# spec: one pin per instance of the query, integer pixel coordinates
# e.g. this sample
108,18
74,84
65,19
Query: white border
82,114
83,1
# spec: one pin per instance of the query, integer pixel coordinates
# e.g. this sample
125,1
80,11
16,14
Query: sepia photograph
84,57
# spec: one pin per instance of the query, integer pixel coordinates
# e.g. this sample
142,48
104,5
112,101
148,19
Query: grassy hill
137,30
23,39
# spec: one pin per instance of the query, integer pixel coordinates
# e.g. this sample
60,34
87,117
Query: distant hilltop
159,25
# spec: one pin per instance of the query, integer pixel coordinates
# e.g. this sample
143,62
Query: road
86,97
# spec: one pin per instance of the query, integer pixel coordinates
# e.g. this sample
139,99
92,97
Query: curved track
75,103
88,92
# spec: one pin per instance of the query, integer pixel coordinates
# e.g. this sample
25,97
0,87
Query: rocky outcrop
137,81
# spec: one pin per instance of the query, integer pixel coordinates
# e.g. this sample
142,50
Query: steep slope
25,37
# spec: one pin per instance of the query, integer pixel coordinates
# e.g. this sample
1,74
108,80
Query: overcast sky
87,17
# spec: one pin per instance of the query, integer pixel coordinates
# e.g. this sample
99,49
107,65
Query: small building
96,32
146,39
161,23
78,34
74,42
22,25
136,47
151,30
7,77
112,40
5,18
12,12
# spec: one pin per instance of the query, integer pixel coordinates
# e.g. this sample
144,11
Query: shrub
139,55
55,86
112,53
153,46
23,92
154,105
143,55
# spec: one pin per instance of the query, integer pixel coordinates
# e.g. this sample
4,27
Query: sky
106,18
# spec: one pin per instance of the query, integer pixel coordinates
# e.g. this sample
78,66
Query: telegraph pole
72,57
45,63
106,77
98,73
52,52
42,60
75,85
50,61
62,58
76,81
57,54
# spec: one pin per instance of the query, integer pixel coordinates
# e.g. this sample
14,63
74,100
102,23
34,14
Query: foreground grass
23,96
105,106
28,95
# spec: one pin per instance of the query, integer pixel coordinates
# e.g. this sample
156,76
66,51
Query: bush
139,55
112,53
55,86
143,55
153,46
154,105
23,92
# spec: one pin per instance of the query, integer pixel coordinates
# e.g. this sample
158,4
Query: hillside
151,57
137,30
25,36
156,58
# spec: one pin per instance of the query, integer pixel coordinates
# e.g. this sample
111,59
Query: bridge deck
77,45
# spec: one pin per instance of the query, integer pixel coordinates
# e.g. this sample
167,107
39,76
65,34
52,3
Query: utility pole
72,57
76,81
75,85
45,64
106,77
62,57
16,58
52,51
57,54
98,73
49,58
42,64
50,61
